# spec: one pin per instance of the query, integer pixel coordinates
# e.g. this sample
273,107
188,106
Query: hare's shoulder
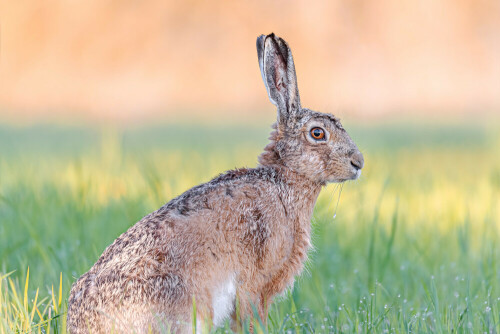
234,186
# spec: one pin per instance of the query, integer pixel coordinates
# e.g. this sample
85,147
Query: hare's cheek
338,172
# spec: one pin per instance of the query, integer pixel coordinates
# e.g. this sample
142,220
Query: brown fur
247,226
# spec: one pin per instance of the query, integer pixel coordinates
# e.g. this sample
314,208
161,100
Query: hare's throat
303,192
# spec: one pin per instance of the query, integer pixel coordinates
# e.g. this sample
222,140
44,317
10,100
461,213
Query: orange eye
318,133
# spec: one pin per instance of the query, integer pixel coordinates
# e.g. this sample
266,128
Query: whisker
333,193
338,200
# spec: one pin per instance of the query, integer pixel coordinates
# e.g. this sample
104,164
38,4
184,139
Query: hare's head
310,143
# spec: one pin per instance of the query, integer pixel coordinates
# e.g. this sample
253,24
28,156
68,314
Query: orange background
134,59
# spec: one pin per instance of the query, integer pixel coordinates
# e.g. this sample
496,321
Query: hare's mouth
356,173
353,174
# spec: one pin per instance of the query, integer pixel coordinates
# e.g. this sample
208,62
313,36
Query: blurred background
143,60
109,109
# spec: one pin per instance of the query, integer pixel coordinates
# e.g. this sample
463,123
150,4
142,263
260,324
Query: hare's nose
357,160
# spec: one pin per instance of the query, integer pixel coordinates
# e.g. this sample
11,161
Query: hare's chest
300,247
293,253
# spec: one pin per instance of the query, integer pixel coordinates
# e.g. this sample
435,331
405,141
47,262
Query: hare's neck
270,156
302,193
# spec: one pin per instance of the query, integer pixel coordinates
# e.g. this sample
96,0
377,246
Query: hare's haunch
241,237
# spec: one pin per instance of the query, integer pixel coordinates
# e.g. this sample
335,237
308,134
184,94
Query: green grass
413,247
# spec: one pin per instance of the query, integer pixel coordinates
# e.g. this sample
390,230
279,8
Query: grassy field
413,247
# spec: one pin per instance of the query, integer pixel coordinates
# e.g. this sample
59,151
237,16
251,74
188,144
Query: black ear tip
271,35
274,38
261,40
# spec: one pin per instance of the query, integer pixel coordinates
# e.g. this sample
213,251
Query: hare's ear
278,73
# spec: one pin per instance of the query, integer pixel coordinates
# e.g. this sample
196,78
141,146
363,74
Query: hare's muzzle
357,160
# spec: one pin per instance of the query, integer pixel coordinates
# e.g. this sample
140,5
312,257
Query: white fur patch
223,300
199,326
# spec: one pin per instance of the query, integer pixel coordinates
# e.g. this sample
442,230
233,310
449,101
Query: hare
237,240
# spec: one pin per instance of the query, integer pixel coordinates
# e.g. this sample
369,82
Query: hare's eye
318,133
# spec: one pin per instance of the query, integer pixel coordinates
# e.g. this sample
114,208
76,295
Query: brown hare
238,239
